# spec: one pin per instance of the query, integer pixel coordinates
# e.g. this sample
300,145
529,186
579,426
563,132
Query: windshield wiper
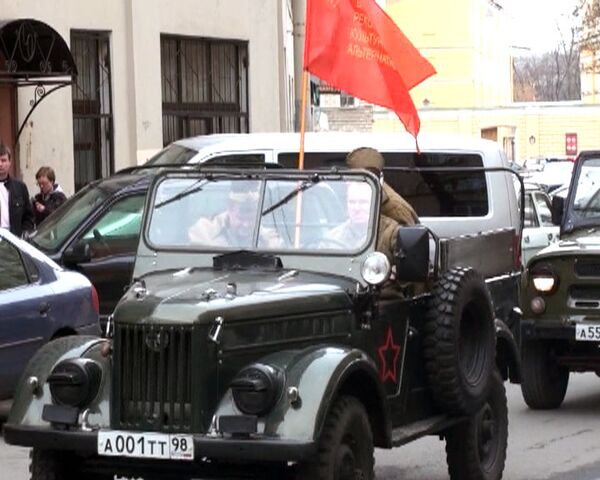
193,188
300,188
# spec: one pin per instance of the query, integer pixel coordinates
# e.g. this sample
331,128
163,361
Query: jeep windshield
285,212
585,198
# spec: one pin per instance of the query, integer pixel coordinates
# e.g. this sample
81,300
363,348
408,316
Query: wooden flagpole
301,157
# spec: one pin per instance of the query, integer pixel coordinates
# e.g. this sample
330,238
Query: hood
199,295
580,242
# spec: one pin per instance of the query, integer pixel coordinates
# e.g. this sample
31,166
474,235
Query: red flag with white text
355,46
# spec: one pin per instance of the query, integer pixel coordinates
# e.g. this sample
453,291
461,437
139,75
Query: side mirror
412,254
76,254
558,208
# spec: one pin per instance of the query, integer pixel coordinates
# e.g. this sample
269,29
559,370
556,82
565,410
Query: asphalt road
562,444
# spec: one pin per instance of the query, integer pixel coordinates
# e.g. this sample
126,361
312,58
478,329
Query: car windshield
283,214
586,199
59,226
172,154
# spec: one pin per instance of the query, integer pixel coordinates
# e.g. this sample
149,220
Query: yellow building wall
546,124
464,40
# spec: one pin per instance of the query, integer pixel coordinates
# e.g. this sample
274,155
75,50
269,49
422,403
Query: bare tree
550,76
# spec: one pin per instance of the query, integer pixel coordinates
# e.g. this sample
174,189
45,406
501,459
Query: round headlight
75,382
376,268
544,283
256,389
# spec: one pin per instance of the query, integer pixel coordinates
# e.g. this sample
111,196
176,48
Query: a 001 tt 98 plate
117,443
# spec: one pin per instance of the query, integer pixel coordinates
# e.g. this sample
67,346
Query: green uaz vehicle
560,331
265,336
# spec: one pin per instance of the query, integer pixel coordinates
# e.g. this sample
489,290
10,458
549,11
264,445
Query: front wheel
544,382
52,465
476,449
345,447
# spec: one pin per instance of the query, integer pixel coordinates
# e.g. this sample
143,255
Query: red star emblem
388,371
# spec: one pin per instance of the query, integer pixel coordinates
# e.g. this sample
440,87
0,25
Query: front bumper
231,449
534,330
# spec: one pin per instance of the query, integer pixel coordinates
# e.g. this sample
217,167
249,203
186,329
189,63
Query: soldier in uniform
392,204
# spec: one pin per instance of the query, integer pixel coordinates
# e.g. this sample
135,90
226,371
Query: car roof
332,141
122,182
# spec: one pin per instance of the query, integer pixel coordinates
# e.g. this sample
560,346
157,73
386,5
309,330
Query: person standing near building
16,213
50,197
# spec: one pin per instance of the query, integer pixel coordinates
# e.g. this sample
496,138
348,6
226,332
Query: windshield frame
571,220
263,176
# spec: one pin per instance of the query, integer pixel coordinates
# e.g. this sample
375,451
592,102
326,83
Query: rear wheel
476,449
345,447
544,382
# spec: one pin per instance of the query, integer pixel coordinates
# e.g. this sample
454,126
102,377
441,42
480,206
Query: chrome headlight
256,389
75,382
376,268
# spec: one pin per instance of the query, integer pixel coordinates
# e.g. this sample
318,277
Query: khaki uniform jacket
396,208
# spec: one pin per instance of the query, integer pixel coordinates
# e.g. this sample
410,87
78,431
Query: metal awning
32,53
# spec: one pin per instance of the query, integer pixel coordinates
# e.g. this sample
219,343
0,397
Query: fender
508,359
319,374
28,404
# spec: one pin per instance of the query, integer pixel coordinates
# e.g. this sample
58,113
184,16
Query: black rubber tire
52,465
543,382
345,445
476,449
459,341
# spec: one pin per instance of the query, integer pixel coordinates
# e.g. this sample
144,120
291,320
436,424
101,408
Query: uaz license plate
145,445
587,332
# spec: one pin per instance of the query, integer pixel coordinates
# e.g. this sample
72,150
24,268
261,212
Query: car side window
117,231
544,209
530,216
12,270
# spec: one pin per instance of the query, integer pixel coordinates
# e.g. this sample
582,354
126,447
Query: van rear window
439,194
432,194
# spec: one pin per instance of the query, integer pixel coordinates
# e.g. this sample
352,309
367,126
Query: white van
451,203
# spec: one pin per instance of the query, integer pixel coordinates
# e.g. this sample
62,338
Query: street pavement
543,445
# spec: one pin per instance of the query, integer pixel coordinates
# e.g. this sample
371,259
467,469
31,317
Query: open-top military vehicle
560,330
264,330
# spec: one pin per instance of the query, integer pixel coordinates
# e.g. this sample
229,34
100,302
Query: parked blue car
39,301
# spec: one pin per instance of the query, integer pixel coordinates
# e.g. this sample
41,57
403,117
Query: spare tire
459,343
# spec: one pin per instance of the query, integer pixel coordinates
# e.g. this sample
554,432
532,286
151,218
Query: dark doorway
8,115
92,107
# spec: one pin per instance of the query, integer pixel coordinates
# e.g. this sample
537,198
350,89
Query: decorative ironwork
30,49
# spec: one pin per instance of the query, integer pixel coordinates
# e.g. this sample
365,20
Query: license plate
116,443
587,332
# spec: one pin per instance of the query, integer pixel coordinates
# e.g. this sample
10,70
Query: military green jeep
264,336
560,331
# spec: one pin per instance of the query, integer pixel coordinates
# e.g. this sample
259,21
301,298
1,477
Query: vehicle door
105,250
538,230
24,310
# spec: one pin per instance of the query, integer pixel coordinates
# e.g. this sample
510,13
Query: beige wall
466,41
547,123
135,27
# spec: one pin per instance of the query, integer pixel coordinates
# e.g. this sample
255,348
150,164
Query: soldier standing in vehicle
392,204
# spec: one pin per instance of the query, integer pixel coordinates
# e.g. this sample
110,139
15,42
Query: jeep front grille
152,378
587,268
584,296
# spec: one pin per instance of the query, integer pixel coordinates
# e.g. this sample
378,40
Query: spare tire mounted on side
459,341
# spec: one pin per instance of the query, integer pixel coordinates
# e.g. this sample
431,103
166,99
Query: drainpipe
299,19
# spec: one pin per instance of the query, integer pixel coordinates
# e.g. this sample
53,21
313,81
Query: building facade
148,72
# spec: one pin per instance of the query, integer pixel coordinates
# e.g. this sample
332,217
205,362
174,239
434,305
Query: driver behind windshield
234,227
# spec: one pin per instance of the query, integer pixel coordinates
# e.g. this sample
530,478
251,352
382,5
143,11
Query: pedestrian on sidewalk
50,197
16,214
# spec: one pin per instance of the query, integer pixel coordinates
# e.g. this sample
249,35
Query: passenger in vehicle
352,233
235,226
392,204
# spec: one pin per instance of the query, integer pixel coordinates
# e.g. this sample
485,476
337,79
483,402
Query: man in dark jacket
16,214
50,197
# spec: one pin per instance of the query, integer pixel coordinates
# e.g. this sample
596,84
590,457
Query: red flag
356,47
